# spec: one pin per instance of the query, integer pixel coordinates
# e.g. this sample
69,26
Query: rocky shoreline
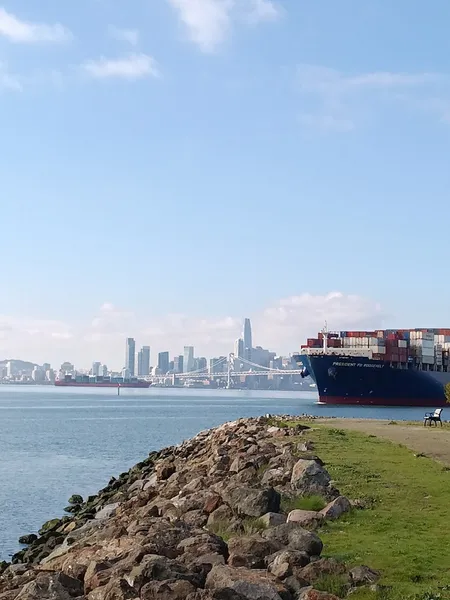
231,514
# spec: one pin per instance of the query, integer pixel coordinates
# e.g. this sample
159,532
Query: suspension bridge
228,367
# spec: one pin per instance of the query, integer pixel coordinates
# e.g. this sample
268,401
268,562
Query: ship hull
367,382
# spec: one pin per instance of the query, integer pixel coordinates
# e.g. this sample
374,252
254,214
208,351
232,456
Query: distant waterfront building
10,369
67,368
248,344
96,369
178,364
188,359
50,375
144,362
38,375
104,370
130,355
126,373
217,365
163,362
200,364
46,367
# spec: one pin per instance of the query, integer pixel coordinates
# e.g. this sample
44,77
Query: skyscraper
247,335
144,361
163,362
238,354
96,369
178,364
188,360
130,352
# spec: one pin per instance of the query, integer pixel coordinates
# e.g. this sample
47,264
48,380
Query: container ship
89,381
392,367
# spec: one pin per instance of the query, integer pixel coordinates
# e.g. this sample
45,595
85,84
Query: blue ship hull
360,380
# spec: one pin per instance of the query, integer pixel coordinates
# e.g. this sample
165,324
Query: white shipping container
378,349
428,360
402,344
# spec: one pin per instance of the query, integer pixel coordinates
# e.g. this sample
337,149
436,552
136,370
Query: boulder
91,578
221,517
28,539
281,563
276,477
50,526
249,584
212,502
250,551
310,477
115,589
336,508
295,537
51,586
318,568
305,518
166,590
245,501
107,511
76,499
272,519
363,576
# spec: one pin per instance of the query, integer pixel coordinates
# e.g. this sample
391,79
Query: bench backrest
437,412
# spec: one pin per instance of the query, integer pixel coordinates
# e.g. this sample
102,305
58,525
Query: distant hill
20,365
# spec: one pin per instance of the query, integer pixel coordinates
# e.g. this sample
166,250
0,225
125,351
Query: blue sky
171,166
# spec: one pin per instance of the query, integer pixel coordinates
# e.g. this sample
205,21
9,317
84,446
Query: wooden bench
433,417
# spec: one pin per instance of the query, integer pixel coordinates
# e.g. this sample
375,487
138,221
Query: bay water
55,442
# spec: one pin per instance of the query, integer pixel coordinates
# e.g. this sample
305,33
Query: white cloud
282,327
131,36
209,22
132,67
25,32
263,10
339,98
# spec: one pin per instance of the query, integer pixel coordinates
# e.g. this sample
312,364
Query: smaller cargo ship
99,381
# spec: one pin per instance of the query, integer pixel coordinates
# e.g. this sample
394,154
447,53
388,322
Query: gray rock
251,584
137,486
272,519
336,508
107,511
305,518
250,551
363,575
309,477
295,537
252,502
150,482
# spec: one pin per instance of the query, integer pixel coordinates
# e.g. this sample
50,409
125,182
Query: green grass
333,584
253,525
313,502
405,530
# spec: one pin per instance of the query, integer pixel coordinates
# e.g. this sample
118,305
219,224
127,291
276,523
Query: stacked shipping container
422,346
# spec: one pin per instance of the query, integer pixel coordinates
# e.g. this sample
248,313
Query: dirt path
432,441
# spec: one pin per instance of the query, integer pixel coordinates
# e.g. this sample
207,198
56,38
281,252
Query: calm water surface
57,442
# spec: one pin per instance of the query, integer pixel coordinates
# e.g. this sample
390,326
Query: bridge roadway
206,375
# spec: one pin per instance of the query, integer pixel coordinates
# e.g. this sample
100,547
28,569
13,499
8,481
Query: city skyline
282,325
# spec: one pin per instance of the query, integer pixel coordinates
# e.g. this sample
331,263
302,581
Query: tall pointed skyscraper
247,335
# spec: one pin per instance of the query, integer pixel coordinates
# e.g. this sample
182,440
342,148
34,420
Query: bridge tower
230,369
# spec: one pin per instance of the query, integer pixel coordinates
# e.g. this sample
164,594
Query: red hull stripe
370,401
